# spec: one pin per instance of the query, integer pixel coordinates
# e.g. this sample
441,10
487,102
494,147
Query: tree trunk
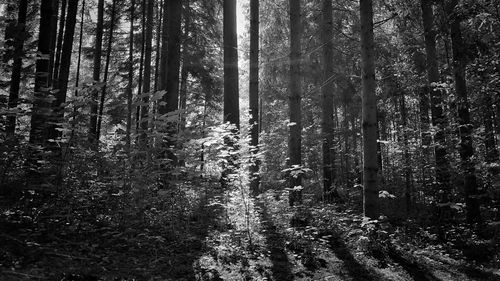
60,35
369,105
141,68
158,50
63,76
15,81
173,59
78,65
96,74
438,119
53,37
41,110
406,155
106,71
184,70
466,145
254,94
162,76
130,86
327,100
295,85
147,72
231,94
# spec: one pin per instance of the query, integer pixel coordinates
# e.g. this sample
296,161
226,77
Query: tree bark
96,73
60,36
147,72
438,119
106,71
130,86
327,128
295,85
163,70
254,94
369,105
231,91
466,146
15,81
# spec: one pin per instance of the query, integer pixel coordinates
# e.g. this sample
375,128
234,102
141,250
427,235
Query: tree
295,88
466,144
370,166
130,86
327,128
96,72
15,81
254,92
147,69
231,93
438,119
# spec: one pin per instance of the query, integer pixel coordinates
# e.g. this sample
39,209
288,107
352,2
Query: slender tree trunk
173,58
60,35
96,74
130,86
147,72
106,71
162,77
15,81
231,94
53,37
184,70
369,104
406,155
425,134
254,94
489,137
327,99
438,119
466,145
295,86
158,50
141,67
78,65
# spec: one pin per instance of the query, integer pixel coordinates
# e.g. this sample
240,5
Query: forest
250,140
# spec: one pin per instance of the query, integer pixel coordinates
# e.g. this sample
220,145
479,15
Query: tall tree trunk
406,154
173,59
60,35
158,49
78,65
63,76
130,86
489,137
141,67
53,37
295,86
254,94
147,71
369,104
231,94
15,81
41,110
327,99
466,145
184,70
162,77
96,74
106,71
425,134
438,119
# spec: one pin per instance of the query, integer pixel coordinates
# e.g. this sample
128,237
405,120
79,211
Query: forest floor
222,235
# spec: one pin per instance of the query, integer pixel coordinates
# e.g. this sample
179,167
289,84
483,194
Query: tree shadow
356,270
413,268
281,267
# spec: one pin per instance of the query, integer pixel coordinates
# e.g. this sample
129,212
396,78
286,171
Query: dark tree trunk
369,104
406,155
173,59
158,50
60,35
41,110
106,71
130,86
327,128
295,86
231,94
15,81
466,145
63,76
53,37
438,119
163,70
141,67
96,74
254,94
147,71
